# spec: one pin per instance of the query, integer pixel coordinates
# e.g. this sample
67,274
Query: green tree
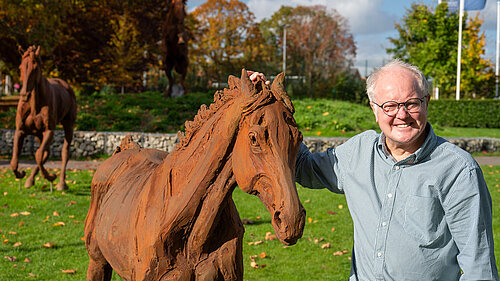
428,38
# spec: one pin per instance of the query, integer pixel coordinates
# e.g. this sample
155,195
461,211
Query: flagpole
498,48
459,57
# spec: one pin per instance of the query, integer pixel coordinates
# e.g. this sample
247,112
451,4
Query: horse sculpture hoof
20,174
62,186
29,183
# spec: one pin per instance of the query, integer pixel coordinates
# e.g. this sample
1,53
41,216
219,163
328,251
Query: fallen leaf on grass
55,213
69,271
70,203
25,213
27,260
49,245
338,253
46,219
14,215
11,258
331,212
31,275
247,221
333,228
32,194
59,223
270,236
254,265
17,244
256,243
12,232
82,238
341,206
21,223
326,245
263,255
5,193
309,220
5,241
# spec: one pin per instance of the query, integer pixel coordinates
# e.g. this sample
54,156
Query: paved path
93,164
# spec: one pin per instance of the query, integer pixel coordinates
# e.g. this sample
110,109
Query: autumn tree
428,38
222,28
319,44
75,35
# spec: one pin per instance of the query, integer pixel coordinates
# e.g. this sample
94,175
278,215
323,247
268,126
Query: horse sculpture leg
99,270
18,146
42,151
35,169
68,137
170,75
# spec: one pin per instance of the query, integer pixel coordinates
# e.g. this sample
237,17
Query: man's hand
254,74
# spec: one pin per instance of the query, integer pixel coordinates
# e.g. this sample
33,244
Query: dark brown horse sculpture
175,40
155,216
43,104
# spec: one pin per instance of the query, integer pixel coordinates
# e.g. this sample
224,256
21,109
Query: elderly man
420,206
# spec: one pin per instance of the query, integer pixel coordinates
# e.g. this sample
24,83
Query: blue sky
371,22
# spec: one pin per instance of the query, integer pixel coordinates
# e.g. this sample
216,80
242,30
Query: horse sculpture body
159,216
175,42
43,104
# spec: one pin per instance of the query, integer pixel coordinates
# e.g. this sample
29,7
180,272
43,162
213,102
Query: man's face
404,130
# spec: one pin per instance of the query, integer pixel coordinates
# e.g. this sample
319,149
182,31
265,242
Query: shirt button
384,223
379,254
389,195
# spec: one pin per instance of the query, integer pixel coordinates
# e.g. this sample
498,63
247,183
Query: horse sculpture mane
159,216
261,95
43,104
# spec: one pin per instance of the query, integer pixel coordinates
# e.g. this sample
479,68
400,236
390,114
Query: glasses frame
399,104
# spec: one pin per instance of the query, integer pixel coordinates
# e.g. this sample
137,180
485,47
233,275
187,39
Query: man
420,206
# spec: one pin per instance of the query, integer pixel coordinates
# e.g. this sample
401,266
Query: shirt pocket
424,219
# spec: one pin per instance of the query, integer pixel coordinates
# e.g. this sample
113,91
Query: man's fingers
253,76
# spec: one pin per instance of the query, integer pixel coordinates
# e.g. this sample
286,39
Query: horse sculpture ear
279,91
20,49
37,51
247,86
233,82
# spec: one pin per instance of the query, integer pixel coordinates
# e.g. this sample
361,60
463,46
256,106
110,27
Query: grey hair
422,83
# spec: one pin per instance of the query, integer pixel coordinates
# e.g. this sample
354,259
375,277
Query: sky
372,23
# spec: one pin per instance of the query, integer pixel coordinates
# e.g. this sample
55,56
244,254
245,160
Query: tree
429,40
223,27
318,42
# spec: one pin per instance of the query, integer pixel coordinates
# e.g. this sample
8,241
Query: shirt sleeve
318,170
469,215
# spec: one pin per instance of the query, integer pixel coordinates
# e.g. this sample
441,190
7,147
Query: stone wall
104,143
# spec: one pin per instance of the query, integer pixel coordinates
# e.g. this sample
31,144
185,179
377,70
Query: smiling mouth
403,125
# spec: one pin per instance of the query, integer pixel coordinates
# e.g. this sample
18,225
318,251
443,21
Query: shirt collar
417,156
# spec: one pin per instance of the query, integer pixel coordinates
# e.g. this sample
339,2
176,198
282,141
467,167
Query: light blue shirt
422,218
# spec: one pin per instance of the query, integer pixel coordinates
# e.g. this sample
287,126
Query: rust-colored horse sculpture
175,51
43,104
159,216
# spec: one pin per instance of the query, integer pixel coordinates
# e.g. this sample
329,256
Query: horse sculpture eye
253,139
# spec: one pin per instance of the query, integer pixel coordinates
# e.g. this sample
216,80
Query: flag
469,5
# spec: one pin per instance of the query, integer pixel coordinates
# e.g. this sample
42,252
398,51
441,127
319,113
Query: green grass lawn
31,218
150,112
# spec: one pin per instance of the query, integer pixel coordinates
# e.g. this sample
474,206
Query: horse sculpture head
31,72
265,151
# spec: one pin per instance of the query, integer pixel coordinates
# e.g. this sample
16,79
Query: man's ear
374,109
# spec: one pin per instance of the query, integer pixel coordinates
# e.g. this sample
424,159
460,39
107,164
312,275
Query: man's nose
402,111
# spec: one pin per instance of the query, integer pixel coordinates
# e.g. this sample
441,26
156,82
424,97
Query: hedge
465,113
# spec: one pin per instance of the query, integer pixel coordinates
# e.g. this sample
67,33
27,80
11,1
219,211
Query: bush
465,113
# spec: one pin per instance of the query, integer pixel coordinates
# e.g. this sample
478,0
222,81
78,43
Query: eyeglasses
391,108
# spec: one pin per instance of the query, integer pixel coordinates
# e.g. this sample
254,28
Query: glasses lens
390,107
413,105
